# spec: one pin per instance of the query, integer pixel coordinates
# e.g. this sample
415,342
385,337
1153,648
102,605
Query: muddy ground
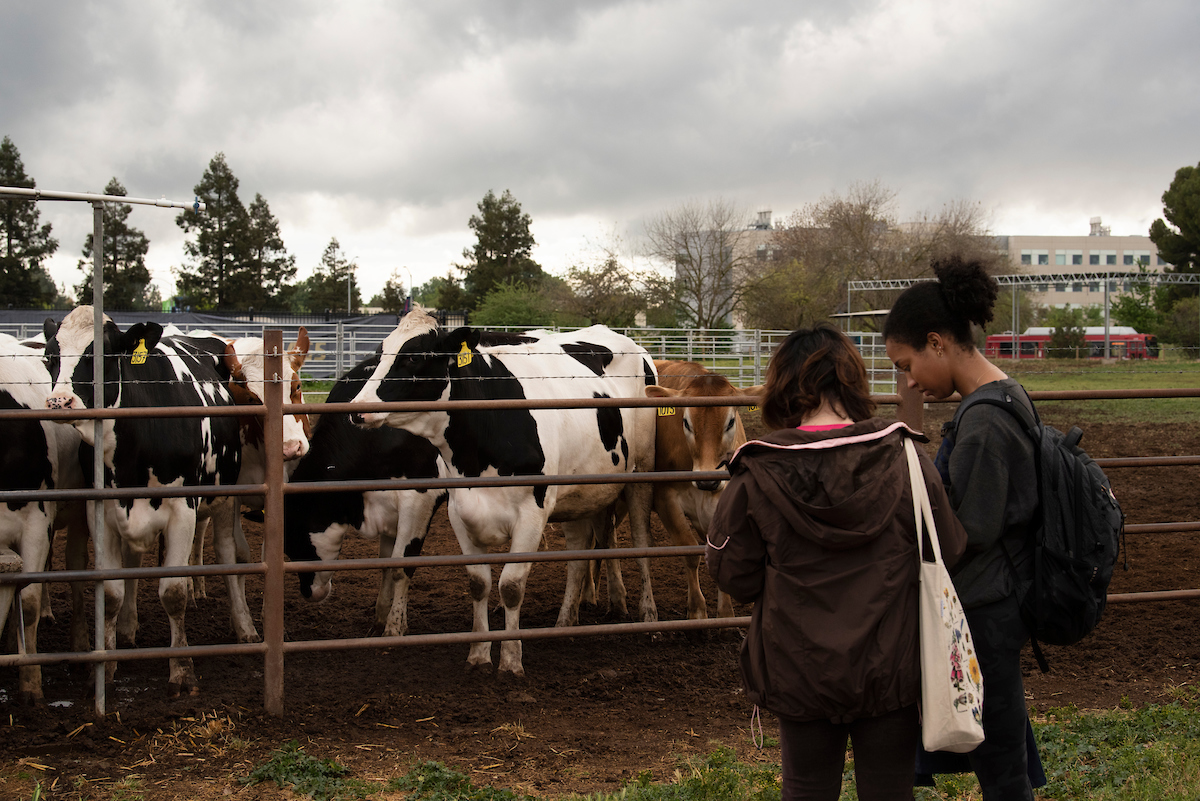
592,712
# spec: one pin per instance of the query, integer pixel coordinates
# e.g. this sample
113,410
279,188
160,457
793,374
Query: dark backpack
1078,540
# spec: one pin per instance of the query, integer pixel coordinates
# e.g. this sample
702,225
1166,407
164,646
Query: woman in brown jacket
816,528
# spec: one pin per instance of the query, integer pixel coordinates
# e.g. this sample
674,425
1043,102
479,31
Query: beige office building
1063,256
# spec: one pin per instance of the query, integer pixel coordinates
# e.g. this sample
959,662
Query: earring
939,352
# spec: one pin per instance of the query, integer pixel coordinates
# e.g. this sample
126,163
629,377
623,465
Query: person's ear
935,341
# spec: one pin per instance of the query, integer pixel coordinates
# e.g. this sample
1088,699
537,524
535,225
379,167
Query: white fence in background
739,355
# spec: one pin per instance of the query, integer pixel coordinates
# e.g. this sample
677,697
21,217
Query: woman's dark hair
811,366
963,294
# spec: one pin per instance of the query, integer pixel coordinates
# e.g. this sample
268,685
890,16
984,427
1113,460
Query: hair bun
966,288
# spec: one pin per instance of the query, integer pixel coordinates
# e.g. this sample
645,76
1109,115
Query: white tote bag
951,684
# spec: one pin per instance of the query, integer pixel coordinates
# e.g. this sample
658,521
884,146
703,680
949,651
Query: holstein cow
247,385
315,524
143,368
29,460
693,438
420,362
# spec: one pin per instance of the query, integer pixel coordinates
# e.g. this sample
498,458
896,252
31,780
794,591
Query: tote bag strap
922,509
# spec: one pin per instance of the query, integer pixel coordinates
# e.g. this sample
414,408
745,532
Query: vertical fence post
911,409
98,533
338,371
273,523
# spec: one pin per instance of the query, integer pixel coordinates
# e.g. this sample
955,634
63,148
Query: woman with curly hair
987,462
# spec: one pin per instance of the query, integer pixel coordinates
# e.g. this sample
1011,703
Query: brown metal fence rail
910,409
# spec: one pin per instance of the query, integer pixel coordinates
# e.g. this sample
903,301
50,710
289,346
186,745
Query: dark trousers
1001,762
814,754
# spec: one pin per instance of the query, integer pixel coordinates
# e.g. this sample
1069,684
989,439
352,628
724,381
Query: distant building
1099,251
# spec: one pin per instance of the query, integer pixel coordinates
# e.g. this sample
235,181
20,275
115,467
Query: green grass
1125,754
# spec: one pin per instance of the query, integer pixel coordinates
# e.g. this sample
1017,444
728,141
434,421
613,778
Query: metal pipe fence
273,567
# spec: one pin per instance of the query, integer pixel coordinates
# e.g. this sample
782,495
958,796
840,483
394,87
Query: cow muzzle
62,402
708,486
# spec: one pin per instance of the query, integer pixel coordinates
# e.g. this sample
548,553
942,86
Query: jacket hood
836,488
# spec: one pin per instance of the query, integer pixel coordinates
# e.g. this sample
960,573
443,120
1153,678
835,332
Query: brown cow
693,438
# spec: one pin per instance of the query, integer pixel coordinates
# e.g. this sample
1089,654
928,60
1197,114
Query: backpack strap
1032,424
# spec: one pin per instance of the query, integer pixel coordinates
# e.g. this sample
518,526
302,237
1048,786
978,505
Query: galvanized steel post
98,538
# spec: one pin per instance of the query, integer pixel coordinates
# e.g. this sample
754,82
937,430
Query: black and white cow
244,357
36,455
143,368
420,362
315,524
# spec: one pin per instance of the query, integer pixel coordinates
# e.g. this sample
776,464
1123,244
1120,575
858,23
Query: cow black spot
25,458
648,369
593,357
503,439
610,424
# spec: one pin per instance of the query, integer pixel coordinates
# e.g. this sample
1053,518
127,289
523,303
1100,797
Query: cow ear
755,390
234,364
49,328
655,391
463,336
112,338
299,351
133,337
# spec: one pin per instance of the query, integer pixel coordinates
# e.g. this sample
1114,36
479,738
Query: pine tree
24,282
502,248
268,267
219,251
126,278
325,290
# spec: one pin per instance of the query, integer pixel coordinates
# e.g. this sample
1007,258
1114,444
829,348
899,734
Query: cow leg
606,537
666,504
416,513
35,552
527,536
172,592
580,536
77,557
47,610
231,548
107,558
638,500
196,586
127,617
479,578
387,588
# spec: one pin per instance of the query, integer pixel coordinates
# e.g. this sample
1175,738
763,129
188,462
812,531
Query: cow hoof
479,668
126,640
731,634
185,689
508,676
29,698
376,629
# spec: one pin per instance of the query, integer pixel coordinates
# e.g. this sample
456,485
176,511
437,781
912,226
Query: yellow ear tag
139,353
464,356
752,408
666,411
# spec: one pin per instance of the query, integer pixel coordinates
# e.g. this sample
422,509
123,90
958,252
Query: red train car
1123,342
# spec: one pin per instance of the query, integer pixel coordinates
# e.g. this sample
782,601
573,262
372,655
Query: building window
1043,258
1060,258
1110,258
1129,259
1027,258
1093,258
1077,258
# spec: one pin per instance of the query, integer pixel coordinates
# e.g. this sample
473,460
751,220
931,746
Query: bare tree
707,244
824,245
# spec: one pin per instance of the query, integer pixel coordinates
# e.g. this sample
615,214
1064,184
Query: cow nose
708,486
59,402
293,449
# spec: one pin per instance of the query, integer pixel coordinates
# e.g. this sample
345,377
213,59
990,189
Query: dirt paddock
591,713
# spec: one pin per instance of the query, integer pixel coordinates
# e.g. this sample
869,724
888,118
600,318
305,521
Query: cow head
302,545
247,384
711,433
70,349
415,363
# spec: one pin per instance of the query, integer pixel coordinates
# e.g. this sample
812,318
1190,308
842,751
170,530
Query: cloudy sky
384,123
